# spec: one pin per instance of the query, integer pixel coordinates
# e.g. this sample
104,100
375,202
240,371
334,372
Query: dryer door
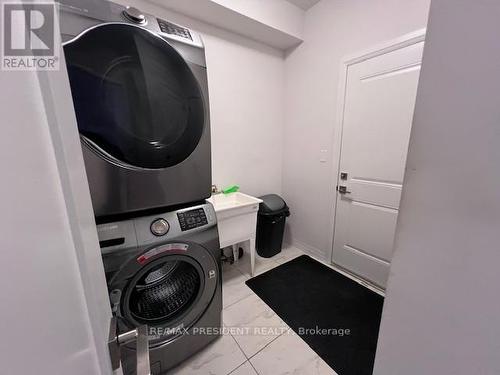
136,100
167,287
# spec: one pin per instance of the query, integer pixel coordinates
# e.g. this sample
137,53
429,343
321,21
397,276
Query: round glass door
164,292
136,100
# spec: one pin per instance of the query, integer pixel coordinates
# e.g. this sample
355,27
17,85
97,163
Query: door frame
377,50
58,105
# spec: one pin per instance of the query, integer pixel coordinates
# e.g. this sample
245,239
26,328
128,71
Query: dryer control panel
192,219
173,29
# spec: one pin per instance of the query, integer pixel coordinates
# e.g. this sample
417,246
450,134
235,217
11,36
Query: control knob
160,227
134,15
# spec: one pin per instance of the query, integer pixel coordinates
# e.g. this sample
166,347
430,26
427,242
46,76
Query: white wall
280,14
442,307
332,30
55,312
246,87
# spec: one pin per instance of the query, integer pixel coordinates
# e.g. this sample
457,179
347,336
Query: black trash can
273,212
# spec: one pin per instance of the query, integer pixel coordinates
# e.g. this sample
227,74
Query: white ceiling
304,4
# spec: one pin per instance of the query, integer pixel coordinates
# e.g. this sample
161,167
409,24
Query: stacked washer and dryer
139,87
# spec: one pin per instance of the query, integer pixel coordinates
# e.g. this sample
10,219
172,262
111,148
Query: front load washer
139,87
164,270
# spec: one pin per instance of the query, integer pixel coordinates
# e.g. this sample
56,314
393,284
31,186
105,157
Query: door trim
377,50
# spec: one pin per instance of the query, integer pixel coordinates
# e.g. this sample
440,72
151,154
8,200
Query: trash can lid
272,203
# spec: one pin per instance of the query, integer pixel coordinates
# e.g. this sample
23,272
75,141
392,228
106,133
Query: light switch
323,156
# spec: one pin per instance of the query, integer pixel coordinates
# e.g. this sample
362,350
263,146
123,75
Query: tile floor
259,342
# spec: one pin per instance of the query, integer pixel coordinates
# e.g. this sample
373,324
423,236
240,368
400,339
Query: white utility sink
237,221
237,202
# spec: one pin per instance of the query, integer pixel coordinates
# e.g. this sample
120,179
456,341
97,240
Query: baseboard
311,250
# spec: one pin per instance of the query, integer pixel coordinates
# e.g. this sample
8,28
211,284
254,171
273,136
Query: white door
378,110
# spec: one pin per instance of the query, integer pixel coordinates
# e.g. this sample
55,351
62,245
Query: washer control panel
146,230
192,219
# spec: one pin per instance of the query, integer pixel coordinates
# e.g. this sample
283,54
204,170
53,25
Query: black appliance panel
192,219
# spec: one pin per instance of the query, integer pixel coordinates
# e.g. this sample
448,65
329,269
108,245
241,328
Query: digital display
192,219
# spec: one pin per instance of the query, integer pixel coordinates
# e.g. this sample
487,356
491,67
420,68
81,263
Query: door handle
343,190
140,335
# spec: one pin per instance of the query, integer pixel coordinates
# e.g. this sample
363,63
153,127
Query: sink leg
252,256
236,253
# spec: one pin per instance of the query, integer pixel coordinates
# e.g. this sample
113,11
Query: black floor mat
308,295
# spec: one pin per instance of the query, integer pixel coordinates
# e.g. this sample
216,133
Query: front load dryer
139,87
164,271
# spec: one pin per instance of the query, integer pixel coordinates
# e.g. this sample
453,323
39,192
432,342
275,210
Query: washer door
137,102
167,287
